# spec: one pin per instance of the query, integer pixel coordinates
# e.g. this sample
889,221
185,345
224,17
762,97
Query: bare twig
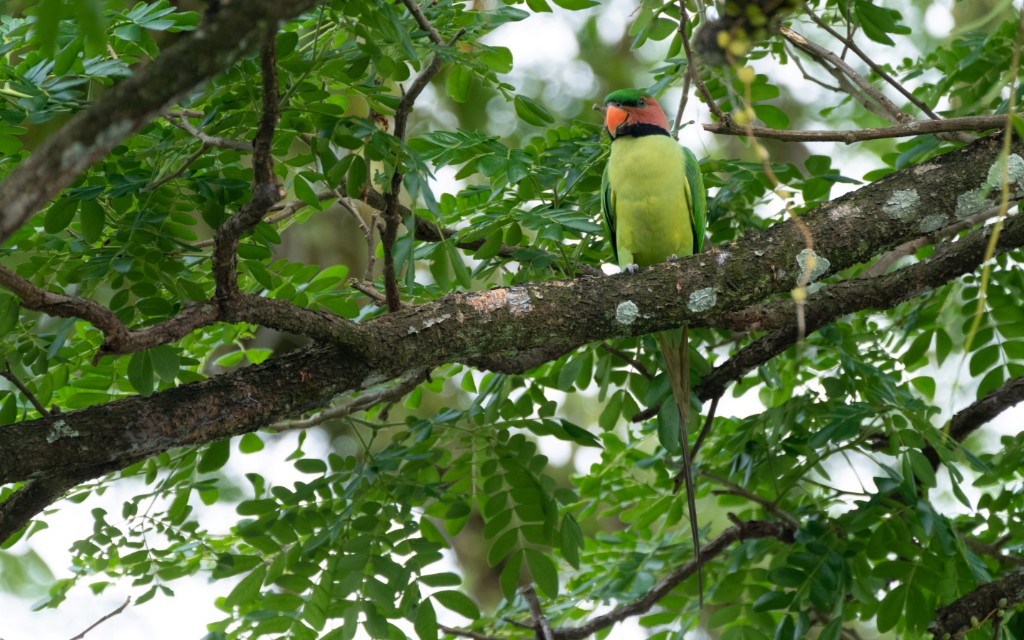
852,46
25,391
153,186
821,54
540,621
265,190
367,400
462,633
207,140
849,136
737,490
628,359
995,549
706,429
691,66
366,288
110,615
392,217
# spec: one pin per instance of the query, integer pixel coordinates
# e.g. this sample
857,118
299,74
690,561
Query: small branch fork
110,615
265,190
392,216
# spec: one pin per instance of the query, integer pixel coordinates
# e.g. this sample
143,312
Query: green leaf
458,83
59,215
458,602
772,116
215,456
532,112
544,572
140,373
248,589
425,622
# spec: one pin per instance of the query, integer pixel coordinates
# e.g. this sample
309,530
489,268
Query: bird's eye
642,102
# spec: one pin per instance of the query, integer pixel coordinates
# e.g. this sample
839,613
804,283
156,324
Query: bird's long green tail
677,364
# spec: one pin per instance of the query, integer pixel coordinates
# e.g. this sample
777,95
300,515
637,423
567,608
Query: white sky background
546,45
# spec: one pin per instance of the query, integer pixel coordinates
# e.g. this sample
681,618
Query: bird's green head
631,112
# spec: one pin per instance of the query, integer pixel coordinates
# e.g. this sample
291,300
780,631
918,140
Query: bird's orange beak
614,117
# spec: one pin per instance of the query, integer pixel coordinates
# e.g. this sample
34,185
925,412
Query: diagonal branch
837,65
979,413
741,532
691,67
949,261
852,46
224,37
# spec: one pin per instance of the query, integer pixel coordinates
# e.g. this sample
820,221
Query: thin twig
361,403
852,46
153,186
909,128
706,429
691,67
628,359
265,190
895,114
392,217
462,633
540,621
207,140
737,490
366,288
25,391
104,619
743,530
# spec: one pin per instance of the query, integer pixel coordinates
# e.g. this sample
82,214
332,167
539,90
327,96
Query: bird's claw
673,258
631,268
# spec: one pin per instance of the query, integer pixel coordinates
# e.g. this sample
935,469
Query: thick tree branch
949,261
700,291
979,413
960,616
743,531
224,37
849,136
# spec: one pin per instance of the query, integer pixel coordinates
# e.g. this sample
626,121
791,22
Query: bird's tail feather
675,350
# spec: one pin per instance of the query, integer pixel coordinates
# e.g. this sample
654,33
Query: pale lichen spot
627,312
74,157
971,202
902,204
60,429
1014,172
812,266
722,257
933,222
429,322
702,300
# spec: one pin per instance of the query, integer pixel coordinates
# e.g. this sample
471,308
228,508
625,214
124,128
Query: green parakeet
655,204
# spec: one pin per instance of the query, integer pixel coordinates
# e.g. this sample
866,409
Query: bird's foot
630,268
673,258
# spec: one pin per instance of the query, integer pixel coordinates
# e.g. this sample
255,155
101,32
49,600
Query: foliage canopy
148,254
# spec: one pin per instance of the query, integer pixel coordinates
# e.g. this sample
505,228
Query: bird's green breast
647,179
